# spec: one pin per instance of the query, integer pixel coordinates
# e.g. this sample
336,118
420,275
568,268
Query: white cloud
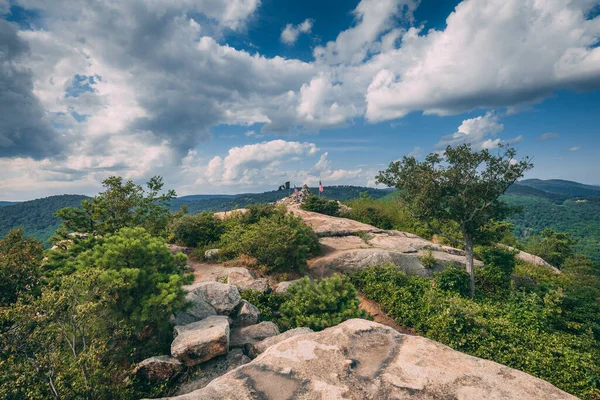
575,148
4,7
549,135
290,33
493,53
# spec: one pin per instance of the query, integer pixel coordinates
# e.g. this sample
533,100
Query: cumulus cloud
493,53
575,148
24,128
480,132
290,33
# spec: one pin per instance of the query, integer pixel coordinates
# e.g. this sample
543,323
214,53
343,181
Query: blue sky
238,96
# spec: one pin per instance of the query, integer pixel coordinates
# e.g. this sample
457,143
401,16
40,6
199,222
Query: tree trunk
468,239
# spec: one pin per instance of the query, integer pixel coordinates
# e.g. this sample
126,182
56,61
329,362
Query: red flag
320,187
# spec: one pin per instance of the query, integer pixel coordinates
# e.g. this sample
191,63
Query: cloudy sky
230,96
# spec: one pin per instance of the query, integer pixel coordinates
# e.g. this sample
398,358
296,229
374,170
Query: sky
240,96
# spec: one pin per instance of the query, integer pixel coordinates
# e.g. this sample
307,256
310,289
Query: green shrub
255,212
267,303
496,274
279,243
453,278
554,247
196,230
427,259
321,205
319,305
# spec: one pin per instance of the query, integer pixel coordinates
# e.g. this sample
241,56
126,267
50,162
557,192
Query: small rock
174,249
224,298
255,349
159,368
204,373
211,254
282,287
243,280
245,314
200,341
245,336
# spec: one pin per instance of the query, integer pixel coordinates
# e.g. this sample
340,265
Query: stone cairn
296,198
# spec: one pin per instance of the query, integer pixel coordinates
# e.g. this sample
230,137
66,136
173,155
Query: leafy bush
196,230
427,259
319,305
453,278
554,247
20,259
496,273
321,205
550,335
279,243
267,303
254,213
152,277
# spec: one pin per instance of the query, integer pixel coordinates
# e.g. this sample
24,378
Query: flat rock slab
325,225
200,341
360,359
242,337
254,350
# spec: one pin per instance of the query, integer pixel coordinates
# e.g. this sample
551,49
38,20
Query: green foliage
20,260
427,259
122,204
550,334
453,278
151,277
498,266
552,246
319,305
461,185
278,243
196,230
267,303
321,205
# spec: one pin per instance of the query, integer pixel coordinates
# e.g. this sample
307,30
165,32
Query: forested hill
37,216
340,193
562,206
6,203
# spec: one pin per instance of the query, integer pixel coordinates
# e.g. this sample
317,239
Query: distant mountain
559,186
563,206
37,216
195,197
7,203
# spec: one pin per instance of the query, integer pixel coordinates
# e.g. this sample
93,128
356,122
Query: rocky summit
359,359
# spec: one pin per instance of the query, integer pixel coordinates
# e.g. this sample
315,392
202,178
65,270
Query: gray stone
159,368
221,296
243,280
255,349
200,341
245,314
282,287
202,374
197,309
244,336
174,249
211,254
360,359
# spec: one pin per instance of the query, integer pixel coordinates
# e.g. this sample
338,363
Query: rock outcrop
256,349
243,280
244,336
200,341
360,359
245,314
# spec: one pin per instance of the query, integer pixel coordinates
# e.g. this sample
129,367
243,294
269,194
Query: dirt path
379,316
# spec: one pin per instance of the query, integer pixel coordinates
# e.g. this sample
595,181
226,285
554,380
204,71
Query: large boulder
201,375
360,359
159,368
255,349
200,341
197,309
282,287
221,296
244,336
245,314
243,280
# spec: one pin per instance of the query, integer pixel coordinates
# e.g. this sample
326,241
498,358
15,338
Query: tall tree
460,185
121,204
